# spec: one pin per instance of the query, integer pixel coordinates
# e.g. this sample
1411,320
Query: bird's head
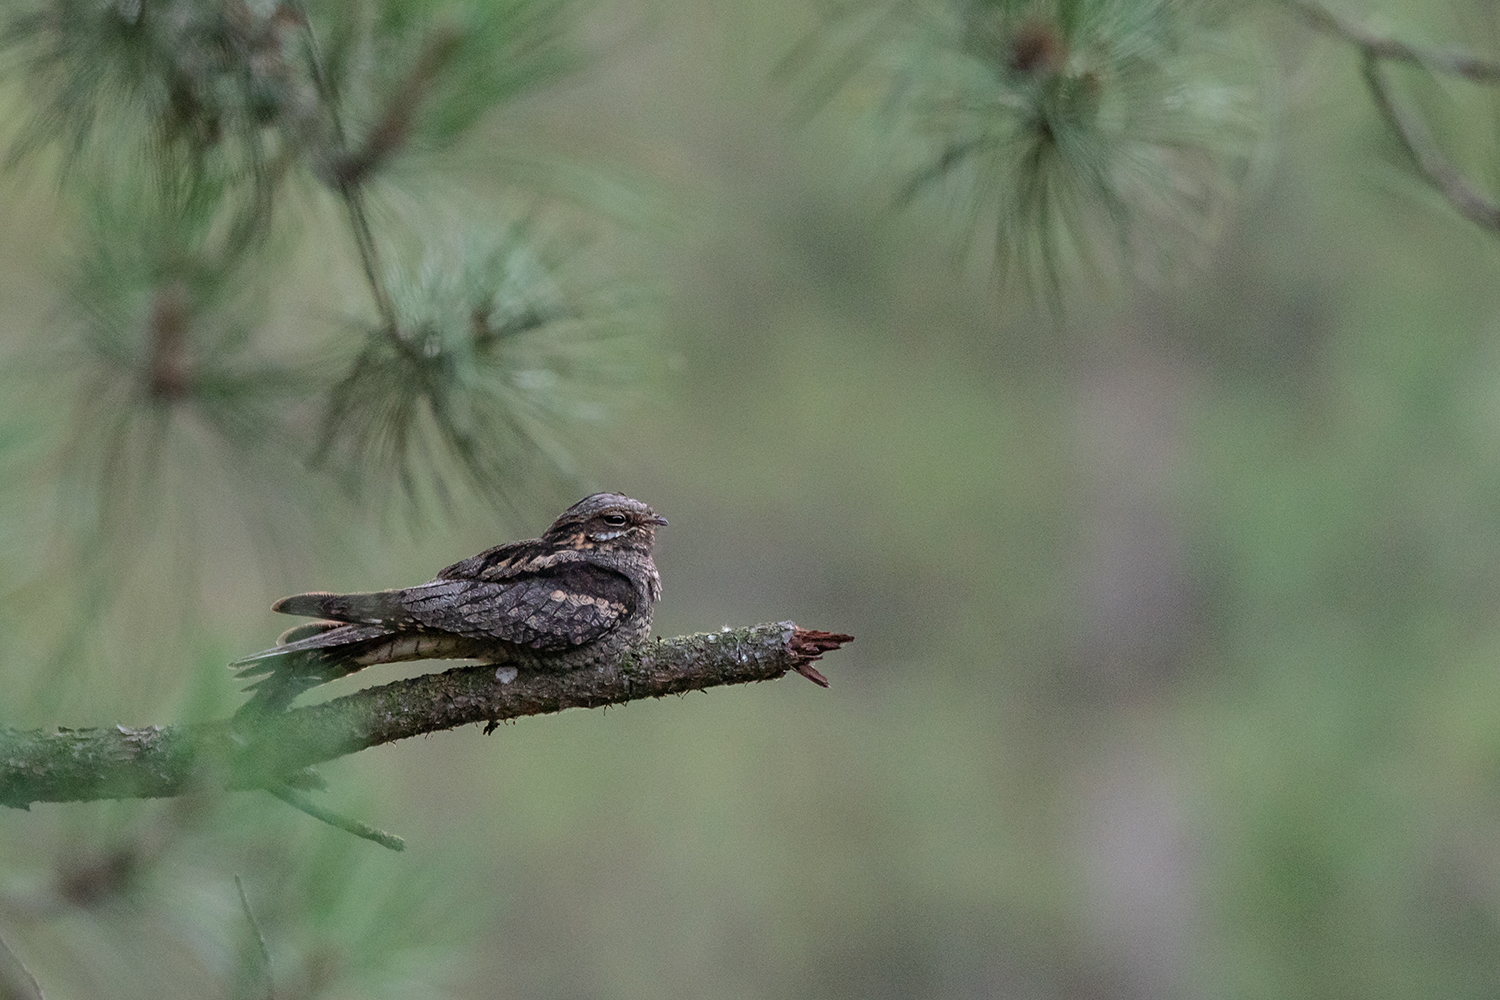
606,520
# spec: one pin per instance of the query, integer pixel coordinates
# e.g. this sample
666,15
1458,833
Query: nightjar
581,593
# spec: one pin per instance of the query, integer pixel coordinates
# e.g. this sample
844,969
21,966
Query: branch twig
349,190
1447,63
85,764
262,953
297,800
16,981
392,129
1434,167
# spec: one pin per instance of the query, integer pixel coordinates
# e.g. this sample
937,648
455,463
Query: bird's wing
504,562
555,607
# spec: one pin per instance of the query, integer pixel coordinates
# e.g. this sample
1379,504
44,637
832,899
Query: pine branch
16,982
73,765
1436,168
1449,62
394,126
364,831
348,187
262,953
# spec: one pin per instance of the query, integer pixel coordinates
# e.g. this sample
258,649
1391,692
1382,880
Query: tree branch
303,803
1447,63
16,983
73,765
393,128
262,967
349,190
1434,167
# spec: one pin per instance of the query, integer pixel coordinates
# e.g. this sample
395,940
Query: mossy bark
84,764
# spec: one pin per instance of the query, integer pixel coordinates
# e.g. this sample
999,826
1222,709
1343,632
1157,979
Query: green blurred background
1175,669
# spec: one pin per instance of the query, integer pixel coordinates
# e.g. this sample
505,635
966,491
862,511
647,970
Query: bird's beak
658,519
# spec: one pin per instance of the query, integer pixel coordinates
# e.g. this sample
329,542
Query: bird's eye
614,520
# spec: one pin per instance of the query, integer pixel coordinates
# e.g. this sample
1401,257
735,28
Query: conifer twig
298,800
392,129
16,981
1437,169
1446,62
349,188
262,953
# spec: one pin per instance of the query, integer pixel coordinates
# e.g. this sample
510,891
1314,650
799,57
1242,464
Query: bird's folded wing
563,606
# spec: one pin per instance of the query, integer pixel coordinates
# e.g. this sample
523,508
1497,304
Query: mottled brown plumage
582,592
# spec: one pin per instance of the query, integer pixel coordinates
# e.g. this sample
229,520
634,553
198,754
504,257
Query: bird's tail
376,607
304,656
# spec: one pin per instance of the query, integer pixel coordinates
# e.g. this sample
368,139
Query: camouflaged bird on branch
581,593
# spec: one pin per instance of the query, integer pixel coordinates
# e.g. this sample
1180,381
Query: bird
581,593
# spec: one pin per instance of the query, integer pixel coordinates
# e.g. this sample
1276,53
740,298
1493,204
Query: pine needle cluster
1072,138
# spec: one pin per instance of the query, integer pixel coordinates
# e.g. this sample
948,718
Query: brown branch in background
394,127
85,764
390,133
369,260
1435,168
350,193
262,953
304,803
169,369
1447,63
16,982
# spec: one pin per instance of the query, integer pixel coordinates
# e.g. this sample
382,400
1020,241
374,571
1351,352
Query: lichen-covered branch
84,764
